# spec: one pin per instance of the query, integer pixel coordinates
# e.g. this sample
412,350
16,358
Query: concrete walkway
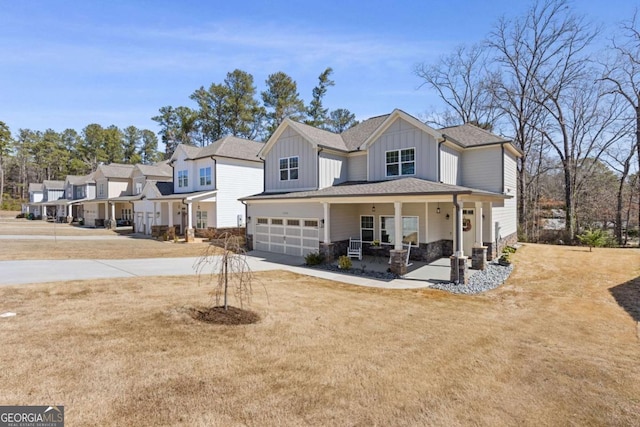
40,271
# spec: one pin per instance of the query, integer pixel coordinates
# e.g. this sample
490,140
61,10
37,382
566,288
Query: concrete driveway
41,271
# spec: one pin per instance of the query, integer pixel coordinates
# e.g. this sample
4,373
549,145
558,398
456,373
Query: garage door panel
291,236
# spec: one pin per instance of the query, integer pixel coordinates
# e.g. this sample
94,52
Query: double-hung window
401,162
366,228
409,229
201,219
289,168
205,176
183,179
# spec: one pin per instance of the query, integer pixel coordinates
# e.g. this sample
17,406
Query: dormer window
289,168
401,162
205,176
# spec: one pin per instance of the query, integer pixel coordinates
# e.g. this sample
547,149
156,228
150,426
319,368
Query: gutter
438,167
502,166
317,168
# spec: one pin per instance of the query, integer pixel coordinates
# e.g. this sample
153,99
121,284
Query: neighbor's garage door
289,236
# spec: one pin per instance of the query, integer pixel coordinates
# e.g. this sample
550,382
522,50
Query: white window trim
204,176
372,229
288,168
199,219
183,178
399,151
403,217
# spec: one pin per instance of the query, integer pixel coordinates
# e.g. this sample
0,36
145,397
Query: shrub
505,259
313,258
21,215
344,262
593,238
509,250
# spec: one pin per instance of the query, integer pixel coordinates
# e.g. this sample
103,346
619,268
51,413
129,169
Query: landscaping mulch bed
220,316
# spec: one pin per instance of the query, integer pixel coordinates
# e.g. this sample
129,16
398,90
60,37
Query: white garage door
291,236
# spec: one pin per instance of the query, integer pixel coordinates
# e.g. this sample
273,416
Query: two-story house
390,179
52,191
35,197
77,190
207,183
111,182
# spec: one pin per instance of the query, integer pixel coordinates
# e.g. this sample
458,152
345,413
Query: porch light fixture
447,217
198,206
373,208
248,219
438,209
322,222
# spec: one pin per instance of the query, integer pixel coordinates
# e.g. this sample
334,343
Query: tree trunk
568,197
638,158
1,183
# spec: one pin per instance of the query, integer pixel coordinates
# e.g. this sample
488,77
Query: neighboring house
78,189
52,191
35,197
207,183
146,210
391,179
113,184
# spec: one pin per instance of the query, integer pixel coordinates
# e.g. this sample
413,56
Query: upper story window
401,162
205,176
183,179
289,168
79,192
138,188
101,190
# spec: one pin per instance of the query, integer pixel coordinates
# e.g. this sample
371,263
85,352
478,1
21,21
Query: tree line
35,156
572,108
233,107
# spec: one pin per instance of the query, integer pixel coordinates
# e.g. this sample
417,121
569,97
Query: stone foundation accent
459,270
159,231
190,235
249,242
216,233
429,252
398,261
110,224
479,257
327,250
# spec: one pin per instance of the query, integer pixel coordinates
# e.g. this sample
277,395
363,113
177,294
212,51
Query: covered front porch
186,214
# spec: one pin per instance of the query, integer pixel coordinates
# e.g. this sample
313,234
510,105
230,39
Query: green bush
505,259
509,250
344,262
313,258
593,238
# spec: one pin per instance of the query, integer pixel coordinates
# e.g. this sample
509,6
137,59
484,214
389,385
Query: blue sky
65,64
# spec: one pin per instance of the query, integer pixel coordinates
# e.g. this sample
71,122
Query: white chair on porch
355,248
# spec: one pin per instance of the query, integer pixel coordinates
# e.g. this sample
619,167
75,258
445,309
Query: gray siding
344,222
449,165
504,214
402,134
291,144
333,169
357,166
481,168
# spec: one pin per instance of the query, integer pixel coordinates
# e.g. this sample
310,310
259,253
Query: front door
468,230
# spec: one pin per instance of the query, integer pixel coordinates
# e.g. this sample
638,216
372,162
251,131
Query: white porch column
327,222
397,238
457,218
479,226
189,215
426,222
69,210
113,211
170,214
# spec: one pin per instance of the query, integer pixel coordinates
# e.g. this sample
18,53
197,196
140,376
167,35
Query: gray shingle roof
53,185
34,186
320,136
116,170
159,169
402,186
234,147
469,135
79,179
357,135
165,187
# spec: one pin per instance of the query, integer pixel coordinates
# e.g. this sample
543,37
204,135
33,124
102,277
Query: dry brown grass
116,247
553,346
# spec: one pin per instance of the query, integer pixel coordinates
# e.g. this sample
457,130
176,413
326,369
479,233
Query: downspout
215,173
318,169
502,166
246,223
438,167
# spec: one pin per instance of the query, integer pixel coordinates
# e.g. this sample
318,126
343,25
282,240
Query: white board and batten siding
291,144
333,169
450,172
193,174
236,179
357,167
399,135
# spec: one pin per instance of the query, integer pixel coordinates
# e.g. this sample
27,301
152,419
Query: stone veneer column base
459,270
110,224
190,235
326,250
398,261
479,257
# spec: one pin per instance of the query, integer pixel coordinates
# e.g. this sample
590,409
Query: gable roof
468,135
116,170
158,169
354,137
318,136
229,146
79,179
35,186
53,185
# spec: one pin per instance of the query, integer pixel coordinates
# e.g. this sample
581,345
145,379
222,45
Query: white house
207,183
391,179
35,197
52,191
78,189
